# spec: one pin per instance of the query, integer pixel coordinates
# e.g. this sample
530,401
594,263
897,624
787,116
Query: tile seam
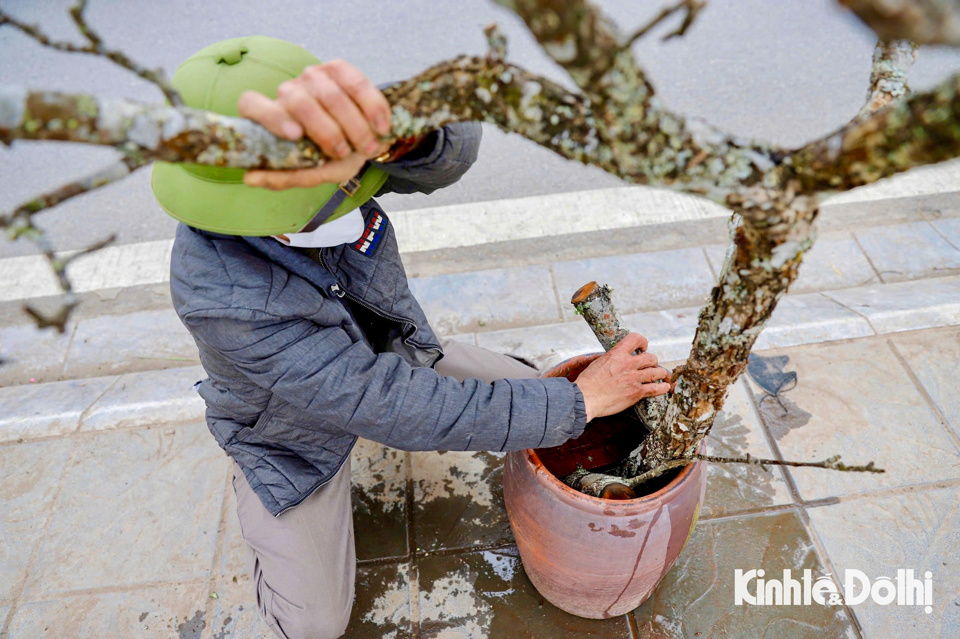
218,553
79,434
466,550
827,562
556,291
938,232
760,510
413,578
103,590
819,549
883,493
66,352
382,561
713,272
852,310
774,448
86,411
876,271
923,393
413,570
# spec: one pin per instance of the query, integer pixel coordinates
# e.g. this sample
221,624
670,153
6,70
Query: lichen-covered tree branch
888,78
921,21
613,121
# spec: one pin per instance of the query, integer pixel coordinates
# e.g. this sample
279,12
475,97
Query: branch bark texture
922,21
594,304
923,129
888,79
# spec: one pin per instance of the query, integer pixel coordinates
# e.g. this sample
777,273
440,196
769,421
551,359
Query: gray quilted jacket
306,352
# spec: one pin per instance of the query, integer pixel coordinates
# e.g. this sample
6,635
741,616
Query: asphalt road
784,71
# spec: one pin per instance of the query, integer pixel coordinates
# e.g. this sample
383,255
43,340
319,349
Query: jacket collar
288,257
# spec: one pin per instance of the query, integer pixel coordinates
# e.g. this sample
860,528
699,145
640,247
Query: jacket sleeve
380,396
444,156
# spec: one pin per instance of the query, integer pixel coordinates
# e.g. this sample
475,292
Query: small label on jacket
372,235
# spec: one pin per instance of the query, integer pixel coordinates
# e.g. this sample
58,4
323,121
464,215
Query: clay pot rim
597,504
603,506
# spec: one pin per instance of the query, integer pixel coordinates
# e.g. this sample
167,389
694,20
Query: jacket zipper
339,291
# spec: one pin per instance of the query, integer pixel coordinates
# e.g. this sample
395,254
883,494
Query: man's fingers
631,342
342,109
369,98
320,126
644,360
279,180
273,117
305,178
652,390
648,375
643,342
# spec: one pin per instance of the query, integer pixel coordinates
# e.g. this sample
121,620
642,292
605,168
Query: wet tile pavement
696,597
133,531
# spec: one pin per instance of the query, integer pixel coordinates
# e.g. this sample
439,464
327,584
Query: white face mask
342,230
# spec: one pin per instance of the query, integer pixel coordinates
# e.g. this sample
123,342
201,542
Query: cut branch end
584,292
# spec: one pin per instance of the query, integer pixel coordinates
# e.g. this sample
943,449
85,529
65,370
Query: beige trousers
303,562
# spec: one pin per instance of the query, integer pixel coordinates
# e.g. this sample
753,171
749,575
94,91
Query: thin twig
692,7
102,177
633,482
104,243
58,319
96,48
19,224
831,463
600,481
496,40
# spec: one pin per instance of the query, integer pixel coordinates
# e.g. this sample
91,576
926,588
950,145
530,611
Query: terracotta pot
595,557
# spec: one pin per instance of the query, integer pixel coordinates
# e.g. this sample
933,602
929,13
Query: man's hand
619,379
337,107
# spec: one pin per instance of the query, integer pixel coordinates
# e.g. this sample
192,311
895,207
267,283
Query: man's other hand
619,379
337,107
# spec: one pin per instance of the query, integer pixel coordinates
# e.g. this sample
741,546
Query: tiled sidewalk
852,284
130,530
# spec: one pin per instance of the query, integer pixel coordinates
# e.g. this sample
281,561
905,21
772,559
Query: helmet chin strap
347,189
319,233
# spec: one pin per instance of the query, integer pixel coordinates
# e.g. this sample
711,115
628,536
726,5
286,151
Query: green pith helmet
216,199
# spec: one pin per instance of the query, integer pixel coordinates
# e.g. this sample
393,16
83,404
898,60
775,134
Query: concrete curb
37,411
526,223
138,399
